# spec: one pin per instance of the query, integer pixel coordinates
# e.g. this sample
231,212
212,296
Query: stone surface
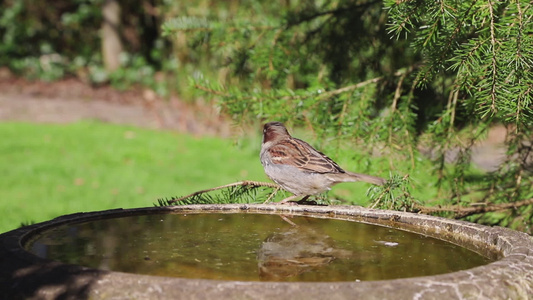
25,276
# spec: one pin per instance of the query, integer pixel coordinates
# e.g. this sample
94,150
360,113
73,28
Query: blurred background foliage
401,80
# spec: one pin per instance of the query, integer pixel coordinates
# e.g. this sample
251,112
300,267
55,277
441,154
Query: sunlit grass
51,170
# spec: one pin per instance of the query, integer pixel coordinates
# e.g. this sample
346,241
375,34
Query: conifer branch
493,57
325,95
249,183
211,91
462,211
333,12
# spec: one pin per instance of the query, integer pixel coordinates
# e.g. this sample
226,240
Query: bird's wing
300,154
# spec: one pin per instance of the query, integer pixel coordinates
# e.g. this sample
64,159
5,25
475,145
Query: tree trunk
111,42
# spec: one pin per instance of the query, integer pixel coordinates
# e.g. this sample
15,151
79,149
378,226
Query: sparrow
299,168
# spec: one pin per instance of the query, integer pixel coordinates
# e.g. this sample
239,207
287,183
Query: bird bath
264,251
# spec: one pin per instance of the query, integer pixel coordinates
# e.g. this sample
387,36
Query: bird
299,168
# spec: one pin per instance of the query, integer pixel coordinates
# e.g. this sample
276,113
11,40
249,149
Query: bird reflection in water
295,251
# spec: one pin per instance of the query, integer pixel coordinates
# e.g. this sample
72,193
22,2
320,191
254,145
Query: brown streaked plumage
299,168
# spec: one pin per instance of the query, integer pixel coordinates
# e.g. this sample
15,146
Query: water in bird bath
251,247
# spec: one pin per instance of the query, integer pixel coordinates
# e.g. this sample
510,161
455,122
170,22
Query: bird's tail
366,178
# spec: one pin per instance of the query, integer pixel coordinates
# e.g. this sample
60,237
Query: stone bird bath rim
24,275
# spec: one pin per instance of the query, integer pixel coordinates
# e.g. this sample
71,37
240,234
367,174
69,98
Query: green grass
50,170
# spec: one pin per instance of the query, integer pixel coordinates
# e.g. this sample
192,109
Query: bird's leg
304,201
284,201
305,198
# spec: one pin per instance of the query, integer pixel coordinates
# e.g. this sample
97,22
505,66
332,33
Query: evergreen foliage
239,192
386,76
